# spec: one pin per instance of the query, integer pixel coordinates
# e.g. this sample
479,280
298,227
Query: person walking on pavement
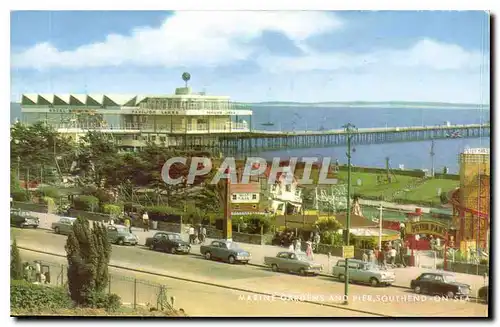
191,234
127,224
145,221
309,250
298,245
365,257
291,247
392,254
203,234
38,271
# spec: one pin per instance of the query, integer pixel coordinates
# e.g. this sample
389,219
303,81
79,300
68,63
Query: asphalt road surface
286,288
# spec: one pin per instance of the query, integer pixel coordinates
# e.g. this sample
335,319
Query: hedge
20,196
24,295
252,223
112,209
48,191
85,202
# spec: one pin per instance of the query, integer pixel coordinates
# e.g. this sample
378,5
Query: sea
410,155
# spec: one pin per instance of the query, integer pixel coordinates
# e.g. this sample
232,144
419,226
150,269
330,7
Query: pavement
403,275
225,284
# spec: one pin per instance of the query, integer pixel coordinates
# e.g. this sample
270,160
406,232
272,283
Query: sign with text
348,251
426,227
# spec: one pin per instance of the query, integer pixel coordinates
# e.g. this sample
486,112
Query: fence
132,291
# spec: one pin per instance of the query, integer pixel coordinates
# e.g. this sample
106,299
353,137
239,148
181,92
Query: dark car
168,242
439,283
20,218
482,294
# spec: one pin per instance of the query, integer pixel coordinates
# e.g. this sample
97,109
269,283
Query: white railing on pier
375,129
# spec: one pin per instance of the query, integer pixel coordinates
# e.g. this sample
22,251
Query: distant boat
268,124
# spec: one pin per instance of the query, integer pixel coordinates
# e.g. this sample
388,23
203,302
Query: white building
283,194
183,118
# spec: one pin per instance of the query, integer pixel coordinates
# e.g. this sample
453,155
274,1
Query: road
403,275
389,301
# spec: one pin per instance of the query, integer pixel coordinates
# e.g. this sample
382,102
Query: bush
100,300
332,238
112,209
85,202
193,215
327,224
162,210
20,196
252,223
444,198
100,194
48,191
24,295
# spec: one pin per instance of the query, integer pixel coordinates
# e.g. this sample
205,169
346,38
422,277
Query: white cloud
186,38
426,53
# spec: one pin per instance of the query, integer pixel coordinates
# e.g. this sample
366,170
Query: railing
132,291
376,129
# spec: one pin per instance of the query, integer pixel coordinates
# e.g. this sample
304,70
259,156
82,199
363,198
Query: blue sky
255,56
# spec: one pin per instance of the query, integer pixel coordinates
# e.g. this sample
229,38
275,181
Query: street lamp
349,129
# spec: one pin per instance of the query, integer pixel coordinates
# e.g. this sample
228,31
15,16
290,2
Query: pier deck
259,140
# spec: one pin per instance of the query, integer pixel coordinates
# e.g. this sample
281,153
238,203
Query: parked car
64,225
20,218
165,241
121,235
293,262
226,251
363,272
482,294
441,283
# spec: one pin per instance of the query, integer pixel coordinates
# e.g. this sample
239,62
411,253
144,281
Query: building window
153,138
163,138
288,188
234,196
254,196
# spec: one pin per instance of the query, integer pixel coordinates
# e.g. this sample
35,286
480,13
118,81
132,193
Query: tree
104,246
37,146
16,264
88,253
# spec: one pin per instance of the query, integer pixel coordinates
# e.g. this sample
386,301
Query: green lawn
428,190
369,185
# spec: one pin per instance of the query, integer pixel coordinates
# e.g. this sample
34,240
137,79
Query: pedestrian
196,238
370,256
392,254
43,279
127,224
291,248
191,234
145,221
38,271
203,234
299,245
365,257
309,250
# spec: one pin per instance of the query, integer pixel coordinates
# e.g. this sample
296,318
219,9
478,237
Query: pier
258,140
